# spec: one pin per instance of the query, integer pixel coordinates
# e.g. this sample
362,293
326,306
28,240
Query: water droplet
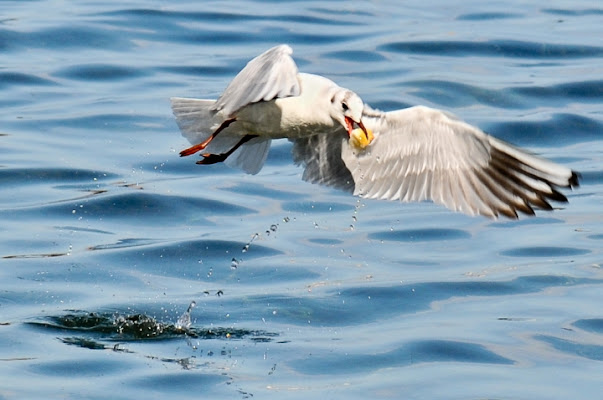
184,322
286,219
246,247
273,227
234,264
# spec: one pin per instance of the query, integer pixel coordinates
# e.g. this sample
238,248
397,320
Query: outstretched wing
270,75
320,155
425,154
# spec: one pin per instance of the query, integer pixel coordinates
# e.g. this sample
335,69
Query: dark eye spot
333,99
344,106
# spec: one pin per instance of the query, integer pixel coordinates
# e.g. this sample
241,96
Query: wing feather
271,75
421,153
320,155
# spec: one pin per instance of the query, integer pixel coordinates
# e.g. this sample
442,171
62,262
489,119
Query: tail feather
195,118
197,121
251,156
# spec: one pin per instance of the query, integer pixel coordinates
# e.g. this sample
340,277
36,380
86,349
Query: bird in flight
412,154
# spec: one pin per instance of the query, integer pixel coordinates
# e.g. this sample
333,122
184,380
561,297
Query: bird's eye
344,106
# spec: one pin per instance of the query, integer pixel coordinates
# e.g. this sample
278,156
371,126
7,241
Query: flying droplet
184,322
246,247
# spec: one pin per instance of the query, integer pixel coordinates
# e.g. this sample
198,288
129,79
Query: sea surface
127,272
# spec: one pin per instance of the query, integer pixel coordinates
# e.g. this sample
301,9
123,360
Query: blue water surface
301,291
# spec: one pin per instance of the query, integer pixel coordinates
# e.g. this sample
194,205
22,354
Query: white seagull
413,154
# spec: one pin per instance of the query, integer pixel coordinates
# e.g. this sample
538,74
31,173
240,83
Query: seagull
269,99
413,154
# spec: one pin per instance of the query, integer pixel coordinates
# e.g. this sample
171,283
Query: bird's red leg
216,158
206,142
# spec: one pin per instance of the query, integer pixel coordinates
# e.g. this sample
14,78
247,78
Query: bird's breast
284,118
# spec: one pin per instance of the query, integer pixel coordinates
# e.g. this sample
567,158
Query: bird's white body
295,116
418,153
289,117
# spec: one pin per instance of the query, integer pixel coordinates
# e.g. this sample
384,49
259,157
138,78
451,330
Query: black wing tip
574,179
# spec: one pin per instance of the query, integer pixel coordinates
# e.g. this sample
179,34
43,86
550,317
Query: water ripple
486,16
28,176
594,325
590,351
356,56
18,78
420,351
363,304
553,131
100,72
543,251
147,16
63,38
494,48
205,259
134,206
456,94
588,90
421,235
568,12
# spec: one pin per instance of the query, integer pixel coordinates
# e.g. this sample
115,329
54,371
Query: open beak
350,125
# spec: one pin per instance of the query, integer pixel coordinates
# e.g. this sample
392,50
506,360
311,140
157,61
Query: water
108,237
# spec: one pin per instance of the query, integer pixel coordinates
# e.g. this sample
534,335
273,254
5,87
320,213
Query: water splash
234,263
246,247
273,228
357,207
184,322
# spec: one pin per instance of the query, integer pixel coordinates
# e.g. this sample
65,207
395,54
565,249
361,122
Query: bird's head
347,108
